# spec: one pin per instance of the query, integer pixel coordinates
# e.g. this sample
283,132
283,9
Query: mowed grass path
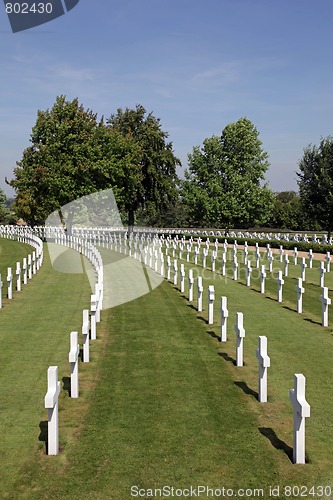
171,408
34,334
162,402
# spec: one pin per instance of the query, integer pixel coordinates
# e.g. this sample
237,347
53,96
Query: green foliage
222,186
287,212
72,155
316,183
6,212
155,188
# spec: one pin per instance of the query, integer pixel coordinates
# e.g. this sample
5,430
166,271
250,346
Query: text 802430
25,8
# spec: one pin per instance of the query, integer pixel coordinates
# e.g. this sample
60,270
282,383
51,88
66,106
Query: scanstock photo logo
24,15
125,277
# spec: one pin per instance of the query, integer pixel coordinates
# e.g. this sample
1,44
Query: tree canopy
223,184
73,154
315,180
156,189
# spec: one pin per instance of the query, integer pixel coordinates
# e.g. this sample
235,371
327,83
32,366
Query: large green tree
157,189
72,154
223,184
315,180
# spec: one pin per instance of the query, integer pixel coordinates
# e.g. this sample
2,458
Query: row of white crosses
88,326
29,267
280,281
297,395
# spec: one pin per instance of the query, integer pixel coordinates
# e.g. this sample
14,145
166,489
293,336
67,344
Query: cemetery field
162,402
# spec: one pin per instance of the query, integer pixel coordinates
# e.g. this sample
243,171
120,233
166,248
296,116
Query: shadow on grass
67,385
290,308
272,298
226,356
192,306
245,388
81,354
202,319
314,322
214,335
270,434
43,436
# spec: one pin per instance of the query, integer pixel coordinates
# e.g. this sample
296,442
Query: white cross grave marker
224,261
200,291
196,254
204,257
34,262
161,264
175,270
322,272
211,298
300,290
224,316
280,283
295,255
281,253
190,285
51,403
303,267
262,278
182,278
214,255
326,301
310,258
29,267
93,309
286,263
10,282
328,261
235,269
248,273
301,412
25,269
168,267
257,256
18,276
73,358
85,333
264,363
246,253
240,334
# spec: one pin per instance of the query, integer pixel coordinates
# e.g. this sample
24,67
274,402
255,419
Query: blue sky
196,64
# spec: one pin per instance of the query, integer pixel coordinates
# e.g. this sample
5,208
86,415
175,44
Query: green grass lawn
162,402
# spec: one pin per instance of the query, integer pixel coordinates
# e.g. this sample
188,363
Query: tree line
72,153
